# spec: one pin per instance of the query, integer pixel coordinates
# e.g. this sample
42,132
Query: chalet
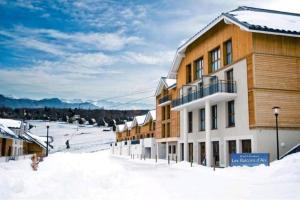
229,76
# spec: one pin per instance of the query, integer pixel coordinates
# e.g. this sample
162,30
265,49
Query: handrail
219,86
164,99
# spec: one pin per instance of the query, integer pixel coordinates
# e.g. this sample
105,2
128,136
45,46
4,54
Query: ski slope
85,138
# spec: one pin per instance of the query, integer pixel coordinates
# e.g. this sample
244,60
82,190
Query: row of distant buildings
17,141
218,96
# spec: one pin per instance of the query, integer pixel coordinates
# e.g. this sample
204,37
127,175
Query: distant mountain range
13,102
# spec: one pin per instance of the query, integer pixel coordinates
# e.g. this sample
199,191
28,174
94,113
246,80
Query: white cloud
156,58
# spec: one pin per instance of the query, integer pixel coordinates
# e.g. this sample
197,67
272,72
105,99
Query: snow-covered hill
85,138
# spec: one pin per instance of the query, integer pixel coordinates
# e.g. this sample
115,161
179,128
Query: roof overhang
180,53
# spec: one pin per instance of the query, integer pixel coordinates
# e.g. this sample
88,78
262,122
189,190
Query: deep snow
102,176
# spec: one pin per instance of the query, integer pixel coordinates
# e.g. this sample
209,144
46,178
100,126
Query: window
190,122
163,113
215,59
230,110
174,149
230,81
170,149
198,69
214,117
189,73
246,146
163,130
154,126
168,110
202,119
228,52
168,130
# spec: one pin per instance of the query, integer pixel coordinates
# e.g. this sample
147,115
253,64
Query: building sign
249,159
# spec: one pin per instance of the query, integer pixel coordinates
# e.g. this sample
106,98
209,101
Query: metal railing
219,86
135,141
164,99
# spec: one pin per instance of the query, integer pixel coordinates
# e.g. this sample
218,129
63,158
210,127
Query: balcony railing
135,141
219,86
164,99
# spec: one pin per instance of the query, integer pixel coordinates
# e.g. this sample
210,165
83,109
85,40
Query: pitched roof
120,127
248,19
128,125
36,139
165,82
151,115
10,123
6,132
138,120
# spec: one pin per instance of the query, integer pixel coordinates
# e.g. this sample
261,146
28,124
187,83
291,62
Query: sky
100,49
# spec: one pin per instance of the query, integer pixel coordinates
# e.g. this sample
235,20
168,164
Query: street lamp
276,110
47,126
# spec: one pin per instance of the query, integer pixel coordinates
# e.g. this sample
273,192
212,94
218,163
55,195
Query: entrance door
191,152
202,153
216,154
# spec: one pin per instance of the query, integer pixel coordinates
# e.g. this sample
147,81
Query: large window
214,112
198,69
190,122
230,81
230,110
168,130
215,63
228,52
202,119
189,73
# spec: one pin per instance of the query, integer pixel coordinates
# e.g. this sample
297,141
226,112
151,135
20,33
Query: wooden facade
273,70
6,145
33,148
167,121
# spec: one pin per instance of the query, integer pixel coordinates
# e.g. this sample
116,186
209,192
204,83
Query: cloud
156,58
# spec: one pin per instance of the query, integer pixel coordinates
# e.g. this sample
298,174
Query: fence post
191,162
156,158
168,159
176,158
133,156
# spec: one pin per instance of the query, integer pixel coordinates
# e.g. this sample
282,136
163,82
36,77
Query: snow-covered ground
81,138
99,175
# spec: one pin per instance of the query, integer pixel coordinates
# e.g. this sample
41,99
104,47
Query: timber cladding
173,121
277,83
242,46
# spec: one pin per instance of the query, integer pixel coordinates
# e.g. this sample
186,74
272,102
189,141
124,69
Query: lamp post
47,126
276,110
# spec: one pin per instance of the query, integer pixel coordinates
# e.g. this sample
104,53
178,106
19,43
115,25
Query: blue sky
96,49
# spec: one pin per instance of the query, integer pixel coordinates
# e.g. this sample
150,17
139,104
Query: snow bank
101,176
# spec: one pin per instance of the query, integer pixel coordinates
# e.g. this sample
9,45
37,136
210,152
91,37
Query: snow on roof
37,139
7,132
153,114
167,82
138,120
10,123
120,127
150,115
248,19
266,20
128,125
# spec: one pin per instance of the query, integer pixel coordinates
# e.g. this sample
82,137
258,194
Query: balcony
221,90
164,100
